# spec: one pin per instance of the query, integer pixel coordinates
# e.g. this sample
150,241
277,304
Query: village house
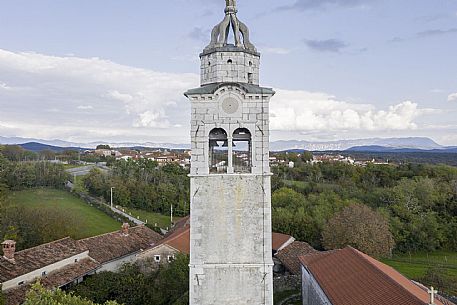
66,262
349,277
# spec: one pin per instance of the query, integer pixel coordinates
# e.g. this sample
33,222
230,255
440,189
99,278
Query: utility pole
112,197
171,216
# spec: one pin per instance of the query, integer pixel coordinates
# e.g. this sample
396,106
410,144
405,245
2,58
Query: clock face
230,105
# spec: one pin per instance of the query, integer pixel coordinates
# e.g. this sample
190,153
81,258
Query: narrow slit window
250,78
242,151
218,151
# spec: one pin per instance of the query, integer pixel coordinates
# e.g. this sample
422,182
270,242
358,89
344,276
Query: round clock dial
230,105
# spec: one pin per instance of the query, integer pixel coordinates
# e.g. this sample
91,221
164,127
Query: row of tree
143,185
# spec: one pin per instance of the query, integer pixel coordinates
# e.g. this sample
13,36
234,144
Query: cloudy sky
115,70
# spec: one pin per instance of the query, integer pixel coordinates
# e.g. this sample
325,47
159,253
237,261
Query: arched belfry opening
242,151
218,151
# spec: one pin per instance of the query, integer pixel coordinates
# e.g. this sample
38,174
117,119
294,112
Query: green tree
38,295
360,227
133,286
286,197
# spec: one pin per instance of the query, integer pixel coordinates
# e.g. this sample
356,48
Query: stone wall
286,282
231,240
232,67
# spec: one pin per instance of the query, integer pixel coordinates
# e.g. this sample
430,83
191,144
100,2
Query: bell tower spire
220,33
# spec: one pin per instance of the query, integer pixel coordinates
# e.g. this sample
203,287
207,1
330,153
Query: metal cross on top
432,292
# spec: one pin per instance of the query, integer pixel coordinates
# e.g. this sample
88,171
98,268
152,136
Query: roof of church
212,88
28,260
348,277
111,246
290,255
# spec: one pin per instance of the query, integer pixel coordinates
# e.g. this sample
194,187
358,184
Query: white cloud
276,51
452,97
85,107
127,103
4,86
305,111
113,95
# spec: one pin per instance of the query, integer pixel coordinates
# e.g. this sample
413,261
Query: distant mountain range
375,148
415,143
371,145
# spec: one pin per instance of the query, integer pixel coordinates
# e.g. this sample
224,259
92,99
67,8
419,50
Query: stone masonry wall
253,114
229,67
231,240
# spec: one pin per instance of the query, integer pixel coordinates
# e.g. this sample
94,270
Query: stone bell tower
231,259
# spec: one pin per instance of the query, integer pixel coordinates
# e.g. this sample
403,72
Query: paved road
131,218
84,170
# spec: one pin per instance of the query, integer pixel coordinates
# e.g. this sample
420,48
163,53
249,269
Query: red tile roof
107,247
179,240
38,257
350,277
58,278
279,240
290,255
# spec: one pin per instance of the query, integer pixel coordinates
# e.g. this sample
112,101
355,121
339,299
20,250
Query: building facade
230,232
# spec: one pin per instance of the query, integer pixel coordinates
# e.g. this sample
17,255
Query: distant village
183,157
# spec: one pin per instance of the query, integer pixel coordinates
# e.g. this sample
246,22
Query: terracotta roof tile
58,278
38,257
280,240
290,255
107,247
179,240
350,277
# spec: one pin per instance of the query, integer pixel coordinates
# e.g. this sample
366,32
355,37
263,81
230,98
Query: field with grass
417,266
162,221
90,220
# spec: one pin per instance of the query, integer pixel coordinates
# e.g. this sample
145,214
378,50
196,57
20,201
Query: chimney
125,229
9,248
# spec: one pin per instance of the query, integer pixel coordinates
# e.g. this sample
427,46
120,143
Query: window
250,64
44,273
20,283
242,151
229,61
157,258
218,151
76,260
171,258
250,78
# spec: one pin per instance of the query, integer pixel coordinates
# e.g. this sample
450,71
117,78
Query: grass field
416,265
162,221
91,221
